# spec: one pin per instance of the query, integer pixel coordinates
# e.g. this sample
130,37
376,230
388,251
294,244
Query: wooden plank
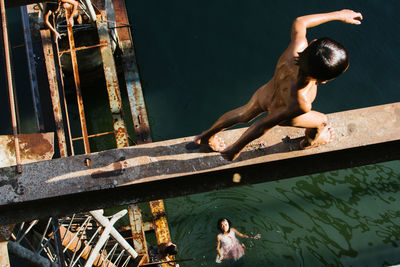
167,169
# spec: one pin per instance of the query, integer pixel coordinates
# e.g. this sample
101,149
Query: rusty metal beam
32,69
138,235
137,106
167,169
77,81
138,109
114,95
54,92
11,93
161,228
131,75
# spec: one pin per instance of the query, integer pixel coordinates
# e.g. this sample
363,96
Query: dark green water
197,60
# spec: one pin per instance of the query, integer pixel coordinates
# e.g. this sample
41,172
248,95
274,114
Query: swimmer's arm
301,24
257,236
239,233
218,247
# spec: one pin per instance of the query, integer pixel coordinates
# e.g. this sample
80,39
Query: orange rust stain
31,145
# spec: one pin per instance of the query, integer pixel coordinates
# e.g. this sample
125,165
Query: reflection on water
343,218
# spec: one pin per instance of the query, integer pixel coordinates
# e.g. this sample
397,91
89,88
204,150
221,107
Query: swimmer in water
228,246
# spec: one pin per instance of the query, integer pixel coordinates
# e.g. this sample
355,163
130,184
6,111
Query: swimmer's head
324,59
224,225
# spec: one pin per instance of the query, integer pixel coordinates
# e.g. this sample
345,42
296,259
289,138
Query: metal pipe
62,91
27,254
97,215
104,236
90,8
10,86
77,85
93,135
81,48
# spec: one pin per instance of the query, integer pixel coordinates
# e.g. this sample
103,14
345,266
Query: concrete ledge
167,169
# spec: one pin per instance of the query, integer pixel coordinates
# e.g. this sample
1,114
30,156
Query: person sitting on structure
52,8
289,95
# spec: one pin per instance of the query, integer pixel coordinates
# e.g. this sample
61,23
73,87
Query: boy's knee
323,121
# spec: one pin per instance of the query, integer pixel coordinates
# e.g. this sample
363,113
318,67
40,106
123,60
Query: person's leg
73,5
256,130
50,26
240,115
318,131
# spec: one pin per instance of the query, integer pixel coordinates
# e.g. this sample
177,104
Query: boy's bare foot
228,154
216,143
325,136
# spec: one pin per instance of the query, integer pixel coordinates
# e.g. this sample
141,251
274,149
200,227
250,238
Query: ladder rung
81,48
93,135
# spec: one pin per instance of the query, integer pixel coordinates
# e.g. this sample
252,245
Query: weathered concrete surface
166,169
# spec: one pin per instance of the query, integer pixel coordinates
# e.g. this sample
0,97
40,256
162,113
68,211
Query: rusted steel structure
32,69
52,60
168,169
150,171
141,127
49,55
77,81
131,75
10,84
114,94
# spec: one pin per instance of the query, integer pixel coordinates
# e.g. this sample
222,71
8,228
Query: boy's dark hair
324,59
219,224
171,249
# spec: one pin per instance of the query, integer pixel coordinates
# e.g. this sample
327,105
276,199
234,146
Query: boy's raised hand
350,16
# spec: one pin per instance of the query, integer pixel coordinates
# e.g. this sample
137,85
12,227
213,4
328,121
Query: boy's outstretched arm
301,24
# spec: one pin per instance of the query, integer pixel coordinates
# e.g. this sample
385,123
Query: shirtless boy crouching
288,96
